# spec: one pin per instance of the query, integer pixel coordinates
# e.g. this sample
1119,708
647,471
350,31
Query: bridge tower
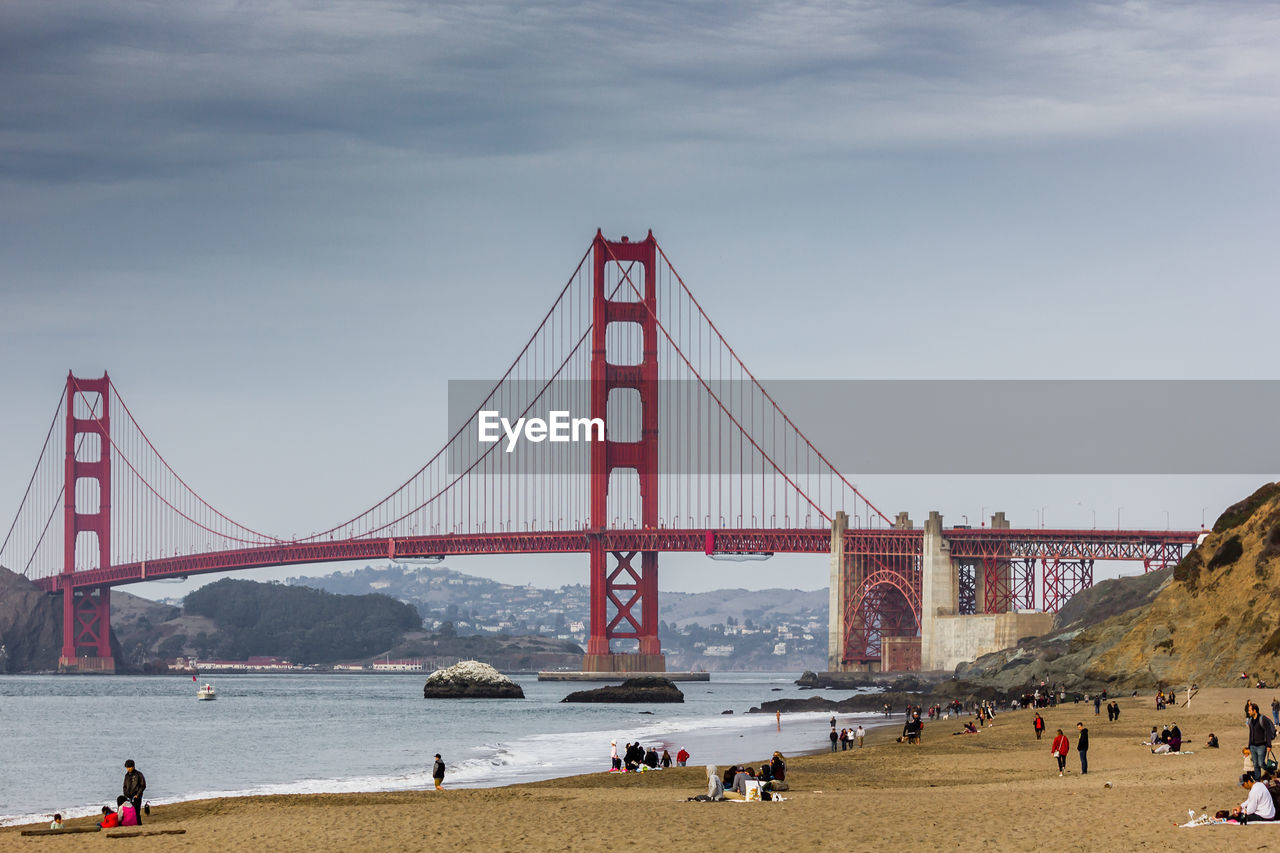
617,583
86,611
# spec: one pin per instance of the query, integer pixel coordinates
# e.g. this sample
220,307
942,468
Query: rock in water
650,688
470,679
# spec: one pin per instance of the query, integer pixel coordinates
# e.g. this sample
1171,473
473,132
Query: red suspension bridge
696,457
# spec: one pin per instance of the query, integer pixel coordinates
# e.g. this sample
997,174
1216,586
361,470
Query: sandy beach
997,790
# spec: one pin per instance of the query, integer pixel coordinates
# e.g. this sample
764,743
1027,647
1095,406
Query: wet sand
997,790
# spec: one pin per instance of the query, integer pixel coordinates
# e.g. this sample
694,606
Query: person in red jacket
1061,746
1038,722
109,818
681,757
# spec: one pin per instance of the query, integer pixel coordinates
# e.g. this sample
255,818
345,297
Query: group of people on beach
129,806
846,737
636,758
1168,739
745,782
1258,776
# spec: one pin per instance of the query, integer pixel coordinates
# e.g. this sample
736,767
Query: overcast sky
282,227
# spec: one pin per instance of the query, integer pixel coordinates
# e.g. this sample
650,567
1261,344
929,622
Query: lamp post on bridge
1118,516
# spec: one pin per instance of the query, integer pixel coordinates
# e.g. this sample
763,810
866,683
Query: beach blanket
1209,820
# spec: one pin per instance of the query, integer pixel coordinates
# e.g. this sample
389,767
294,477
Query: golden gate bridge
697,457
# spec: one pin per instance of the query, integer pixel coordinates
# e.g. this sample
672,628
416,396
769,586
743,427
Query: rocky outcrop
30,626
856,680
650,688
470,679
863,702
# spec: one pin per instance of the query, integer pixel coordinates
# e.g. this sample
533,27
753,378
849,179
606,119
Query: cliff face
30,626
1214,616
1220,615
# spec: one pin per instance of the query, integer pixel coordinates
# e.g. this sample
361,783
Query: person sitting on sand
1175,739
1212,743
729,773
715,789
1153,739
1248,761
778,767
651,759
128,813
1258,805
57,822
634,756
740,779
109,818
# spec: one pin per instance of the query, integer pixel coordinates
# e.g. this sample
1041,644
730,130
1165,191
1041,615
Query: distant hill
766,606
1212,617
725,629
303,625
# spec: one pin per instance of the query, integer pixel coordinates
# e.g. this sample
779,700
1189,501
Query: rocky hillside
1212,617
30,626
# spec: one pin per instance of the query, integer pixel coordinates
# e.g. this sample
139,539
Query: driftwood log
134,833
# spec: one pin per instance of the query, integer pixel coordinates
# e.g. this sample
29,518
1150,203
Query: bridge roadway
1138,545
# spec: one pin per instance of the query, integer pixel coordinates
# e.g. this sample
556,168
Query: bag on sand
1270,763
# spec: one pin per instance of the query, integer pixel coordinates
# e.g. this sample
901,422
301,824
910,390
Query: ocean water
66,737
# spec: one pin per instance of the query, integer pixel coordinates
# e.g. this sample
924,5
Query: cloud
122,90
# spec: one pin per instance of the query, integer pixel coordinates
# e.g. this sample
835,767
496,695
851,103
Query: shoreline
999,789
722,731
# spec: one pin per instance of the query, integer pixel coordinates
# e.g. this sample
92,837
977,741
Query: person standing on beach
1061,746
835,738
437,773
614,761
860,734
1275,711
1261,733
135,784
1082,747
1038,725
681,757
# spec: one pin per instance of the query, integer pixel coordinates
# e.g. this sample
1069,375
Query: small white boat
206,692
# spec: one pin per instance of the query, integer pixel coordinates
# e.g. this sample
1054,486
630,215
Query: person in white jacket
1258,805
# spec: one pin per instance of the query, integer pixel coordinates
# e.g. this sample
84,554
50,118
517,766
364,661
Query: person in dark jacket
778,766
1082,747
135,785
1261,733
437,773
